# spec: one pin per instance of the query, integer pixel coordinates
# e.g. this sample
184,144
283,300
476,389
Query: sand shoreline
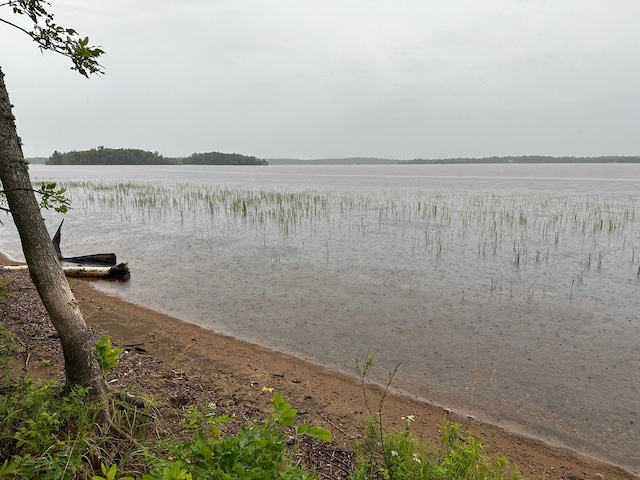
330,398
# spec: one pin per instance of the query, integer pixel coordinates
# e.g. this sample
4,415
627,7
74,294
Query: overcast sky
336,78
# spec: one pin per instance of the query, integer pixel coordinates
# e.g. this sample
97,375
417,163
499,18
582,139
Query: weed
106,354
400,455
8,346
5,285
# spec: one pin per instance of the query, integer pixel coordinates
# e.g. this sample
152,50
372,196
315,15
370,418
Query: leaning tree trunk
81,367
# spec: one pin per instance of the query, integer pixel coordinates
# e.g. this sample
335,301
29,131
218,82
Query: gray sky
337,78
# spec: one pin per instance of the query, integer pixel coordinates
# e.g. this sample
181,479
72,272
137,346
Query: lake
508,292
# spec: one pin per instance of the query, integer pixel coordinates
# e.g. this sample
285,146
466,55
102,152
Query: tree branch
16,26
51,36
57,198
44,194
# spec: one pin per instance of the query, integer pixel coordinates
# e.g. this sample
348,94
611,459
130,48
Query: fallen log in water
117,272
107,259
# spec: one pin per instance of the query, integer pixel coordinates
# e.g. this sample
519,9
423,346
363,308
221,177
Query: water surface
507,291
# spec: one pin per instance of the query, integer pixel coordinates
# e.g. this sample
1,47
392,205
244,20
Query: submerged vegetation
498,231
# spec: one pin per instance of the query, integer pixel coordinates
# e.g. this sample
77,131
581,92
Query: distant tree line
132,156
333,161
217,158
526,159
40,160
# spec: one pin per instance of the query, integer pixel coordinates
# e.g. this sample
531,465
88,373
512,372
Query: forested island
132,156
108,156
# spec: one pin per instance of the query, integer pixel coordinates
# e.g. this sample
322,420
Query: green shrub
46,434
254,452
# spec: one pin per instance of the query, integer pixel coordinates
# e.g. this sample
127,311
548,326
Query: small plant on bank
4,288
8,346
373,425
106,354
400,455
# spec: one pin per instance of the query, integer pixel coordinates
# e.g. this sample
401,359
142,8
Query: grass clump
46,433
8,346
5,285
400,455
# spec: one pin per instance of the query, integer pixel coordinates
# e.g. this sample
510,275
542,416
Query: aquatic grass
527,231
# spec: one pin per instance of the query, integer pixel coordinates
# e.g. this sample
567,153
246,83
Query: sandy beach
228,370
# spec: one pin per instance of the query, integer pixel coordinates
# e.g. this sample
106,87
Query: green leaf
288,417
321,433
106,354
8,468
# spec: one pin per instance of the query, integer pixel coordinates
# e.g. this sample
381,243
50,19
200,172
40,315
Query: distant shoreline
527,159
453,161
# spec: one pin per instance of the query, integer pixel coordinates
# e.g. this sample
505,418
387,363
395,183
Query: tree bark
81,367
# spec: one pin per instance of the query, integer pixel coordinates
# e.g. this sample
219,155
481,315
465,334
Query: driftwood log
117,272
105,259
100,265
